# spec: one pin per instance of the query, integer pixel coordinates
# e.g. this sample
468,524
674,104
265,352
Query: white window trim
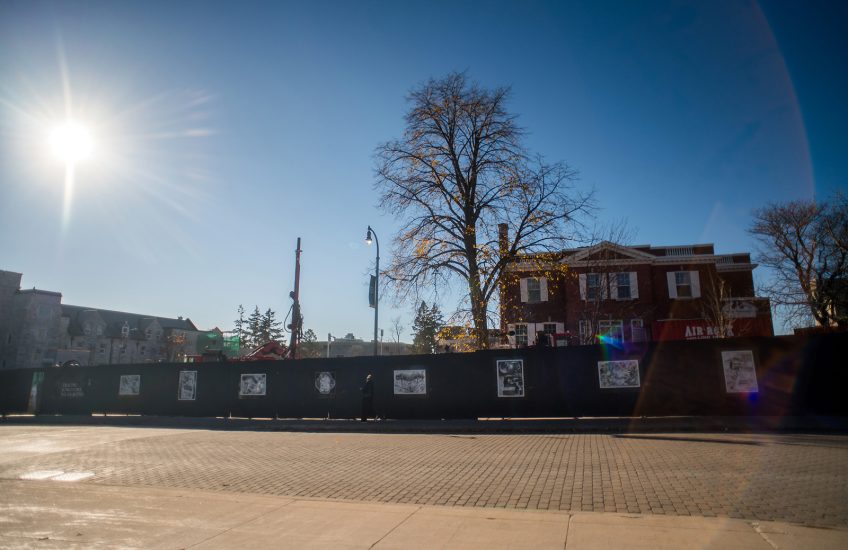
611,323
631,276
524,290
694,285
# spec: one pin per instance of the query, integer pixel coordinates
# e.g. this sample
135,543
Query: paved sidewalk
66,485
767,477
53,514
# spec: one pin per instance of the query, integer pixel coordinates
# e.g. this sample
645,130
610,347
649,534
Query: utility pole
295,325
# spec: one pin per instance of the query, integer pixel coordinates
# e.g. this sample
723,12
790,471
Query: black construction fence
776,376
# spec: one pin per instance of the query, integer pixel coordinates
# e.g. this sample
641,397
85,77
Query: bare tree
459,170
397,329
806,246
714,306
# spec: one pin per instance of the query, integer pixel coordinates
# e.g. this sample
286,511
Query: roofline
38,291
141,315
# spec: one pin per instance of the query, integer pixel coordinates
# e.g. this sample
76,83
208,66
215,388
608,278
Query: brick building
632,294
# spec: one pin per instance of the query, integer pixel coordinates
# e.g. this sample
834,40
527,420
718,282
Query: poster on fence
252,384
740,374
325,383
618,374
510,377
188,385
130,384
410,382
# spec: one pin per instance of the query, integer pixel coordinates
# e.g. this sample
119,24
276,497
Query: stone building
37,330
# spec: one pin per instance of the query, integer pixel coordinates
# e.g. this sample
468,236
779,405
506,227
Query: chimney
503,239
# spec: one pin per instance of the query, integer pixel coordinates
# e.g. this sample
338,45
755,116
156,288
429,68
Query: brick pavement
793,478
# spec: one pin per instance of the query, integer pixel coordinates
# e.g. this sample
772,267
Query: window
148,333
102,348
125,330
143,349
611,329
521,335
534,291
622,282
593,286
683,284
585,329
637,331
549,328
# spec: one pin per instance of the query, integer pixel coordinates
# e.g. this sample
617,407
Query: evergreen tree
254,328
428,321
270,328
241,327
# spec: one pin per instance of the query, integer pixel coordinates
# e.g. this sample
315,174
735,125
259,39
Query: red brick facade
634,293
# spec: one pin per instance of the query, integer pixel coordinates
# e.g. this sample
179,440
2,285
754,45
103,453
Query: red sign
701,329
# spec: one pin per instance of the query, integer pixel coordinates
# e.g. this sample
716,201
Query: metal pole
295,324
328,344
376,291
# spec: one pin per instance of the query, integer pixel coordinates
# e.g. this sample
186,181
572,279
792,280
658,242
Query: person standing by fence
368,398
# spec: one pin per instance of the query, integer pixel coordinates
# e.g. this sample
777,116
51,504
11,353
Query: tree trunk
478,313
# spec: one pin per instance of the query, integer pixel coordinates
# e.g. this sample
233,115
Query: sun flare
71,142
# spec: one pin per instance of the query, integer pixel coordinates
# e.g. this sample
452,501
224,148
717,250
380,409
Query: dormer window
125,331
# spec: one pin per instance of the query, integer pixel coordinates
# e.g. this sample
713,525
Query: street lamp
329,338
368,239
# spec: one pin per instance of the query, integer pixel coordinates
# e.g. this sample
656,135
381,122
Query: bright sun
71,142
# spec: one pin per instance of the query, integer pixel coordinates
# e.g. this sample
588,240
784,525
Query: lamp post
368,239
329,338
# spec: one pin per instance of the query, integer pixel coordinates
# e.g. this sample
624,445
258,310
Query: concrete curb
812,424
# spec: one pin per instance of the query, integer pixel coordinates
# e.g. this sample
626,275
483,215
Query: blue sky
226,130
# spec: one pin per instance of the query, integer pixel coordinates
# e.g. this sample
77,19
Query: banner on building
701,329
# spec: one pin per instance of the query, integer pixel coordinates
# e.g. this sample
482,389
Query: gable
606,251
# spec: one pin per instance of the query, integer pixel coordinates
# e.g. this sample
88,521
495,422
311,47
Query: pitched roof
113,321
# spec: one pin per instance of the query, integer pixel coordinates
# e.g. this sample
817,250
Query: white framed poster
619,374
252,384
187,386
410,382
130,384
740,373
510,374
325,383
